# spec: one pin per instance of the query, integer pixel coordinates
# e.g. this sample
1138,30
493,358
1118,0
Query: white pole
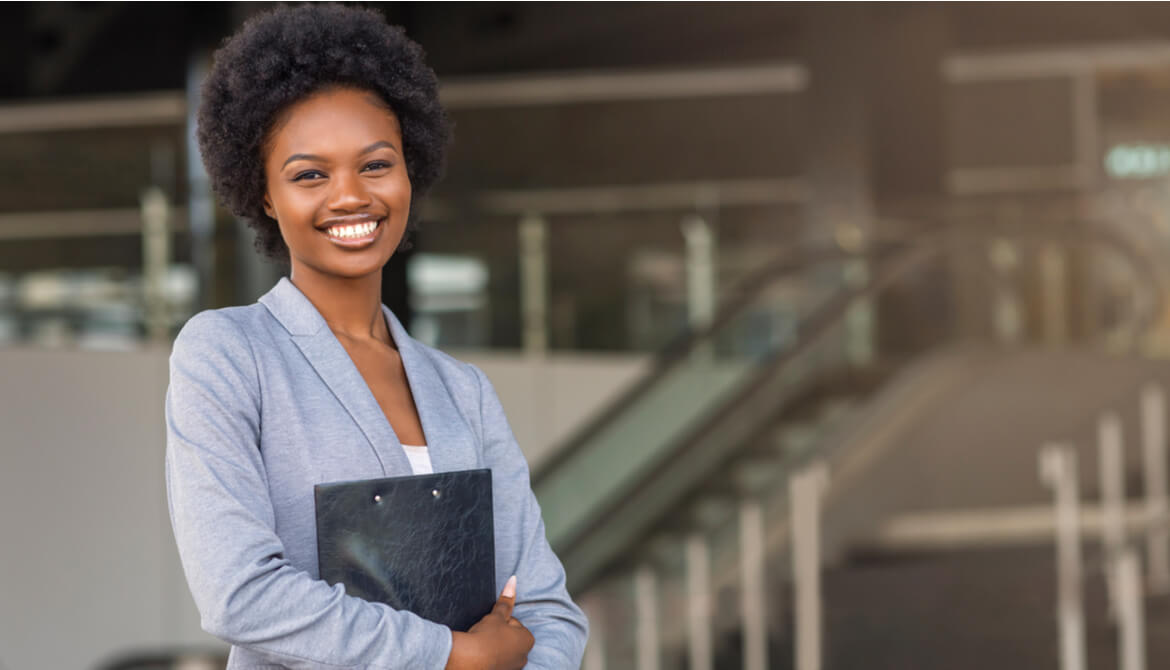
156,253
1112,480
594,609
806,489
1055,304
1131,614
699,644
701,278
646,609
1058,469
533,233
753,602
1157,503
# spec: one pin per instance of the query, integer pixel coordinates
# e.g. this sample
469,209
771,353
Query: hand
497,642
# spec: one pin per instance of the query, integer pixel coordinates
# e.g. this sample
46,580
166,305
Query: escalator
663,477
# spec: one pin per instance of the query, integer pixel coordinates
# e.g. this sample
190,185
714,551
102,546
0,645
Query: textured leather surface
422,543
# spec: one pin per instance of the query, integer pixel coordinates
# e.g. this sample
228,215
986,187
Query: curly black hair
281,57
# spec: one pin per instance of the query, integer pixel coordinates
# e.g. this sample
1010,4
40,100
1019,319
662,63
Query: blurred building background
783,301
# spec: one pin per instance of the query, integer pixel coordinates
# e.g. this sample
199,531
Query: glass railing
659,503
669,432
730,409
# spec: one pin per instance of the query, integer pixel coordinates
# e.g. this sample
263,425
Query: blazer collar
448,438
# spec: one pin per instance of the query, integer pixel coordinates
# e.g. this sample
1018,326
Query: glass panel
450,300
95,308
673,602
684,396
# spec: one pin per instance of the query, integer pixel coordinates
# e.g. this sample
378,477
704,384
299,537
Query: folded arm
247,593
543,604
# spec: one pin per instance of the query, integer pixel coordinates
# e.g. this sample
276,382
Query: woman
321,126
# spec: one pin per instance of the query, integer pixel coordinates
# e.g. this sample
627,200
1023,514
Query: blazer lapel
333,365
450,441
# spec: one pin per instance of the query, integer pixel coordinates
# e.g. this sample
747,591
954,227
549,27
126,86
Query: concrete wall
88,567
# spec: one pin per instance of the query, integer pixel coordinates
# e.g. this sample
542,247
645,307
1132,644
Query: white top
420,459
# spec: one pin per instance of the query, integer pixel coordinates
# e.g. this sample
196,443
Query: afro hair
281,57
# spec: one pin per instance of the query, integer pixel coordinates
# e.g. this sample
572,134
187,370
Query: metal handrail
789,262
810,332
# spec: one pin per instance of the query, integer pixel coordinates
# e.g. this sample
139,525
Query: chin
356,267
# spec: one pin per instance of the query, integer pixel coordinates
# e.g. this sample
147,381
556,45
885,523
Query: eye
378,165
308,175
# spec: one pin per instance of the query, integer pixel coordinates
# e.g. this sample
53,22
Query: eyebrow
380,144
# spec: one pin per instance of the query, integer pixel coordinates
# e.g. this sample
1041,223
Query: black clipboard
423,543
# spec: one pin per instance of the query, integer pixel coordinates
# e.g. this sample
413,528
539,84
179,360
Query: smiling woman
337,184
321,126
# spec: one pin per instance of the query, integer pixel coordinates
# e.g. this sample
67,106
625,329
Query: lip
354,242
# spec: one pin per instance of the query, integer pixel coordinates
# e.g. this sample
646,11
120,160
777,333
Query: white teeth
358,230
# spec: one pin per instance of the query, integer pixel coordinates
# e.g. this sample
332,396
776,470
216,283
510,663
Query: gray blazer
263,403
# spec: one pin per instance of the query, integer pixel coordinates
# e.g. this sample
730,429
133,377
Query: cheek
292,202
405,193
398,191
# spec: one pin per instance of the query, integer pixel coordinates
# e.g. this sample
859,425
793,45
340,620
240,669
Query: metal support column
1111,467
701,277
1007,317
1053,280
1058,469
646,611
1131,621
700,648
1157,503
753,612
156,258
806,489
534,283
859,320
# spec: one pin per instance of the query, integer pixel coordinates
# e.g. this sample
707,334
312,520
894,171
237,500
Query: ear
268,208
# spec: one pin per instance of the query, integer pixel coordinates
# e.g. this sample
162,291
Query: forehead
337,119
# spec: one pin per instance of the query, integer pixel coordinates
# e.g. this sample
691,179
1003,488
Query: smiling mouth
354,233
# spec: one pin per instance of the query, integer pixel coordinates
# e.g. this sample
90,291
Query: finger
507,600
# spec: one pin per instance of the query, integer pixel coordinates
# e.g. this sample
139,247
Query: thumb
507,599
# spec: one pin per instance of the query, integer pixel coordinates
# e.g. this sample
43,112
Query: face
337,183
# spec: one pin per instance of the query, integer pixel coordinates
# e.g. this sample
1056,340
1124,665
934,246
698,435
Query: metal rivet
435,492
377,498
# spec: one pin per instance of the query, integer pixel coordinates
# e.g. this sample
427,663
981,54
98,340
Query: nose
348,193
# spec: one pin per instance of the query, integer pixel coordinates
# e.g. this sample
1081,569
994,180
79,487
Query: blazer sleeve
543,604
247,593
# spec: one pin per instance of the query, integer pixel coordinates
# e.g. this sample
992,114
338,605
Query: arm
247,593
542,603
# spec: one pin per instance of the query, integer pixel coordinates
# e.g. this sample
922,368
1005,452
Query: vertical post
1131,613
1086,126
701,278
1055,302
1157,503
595,646
806,489
752,600
534,283
859,320
646,609
1058,469
699,643
1006,316
156,252
1112,483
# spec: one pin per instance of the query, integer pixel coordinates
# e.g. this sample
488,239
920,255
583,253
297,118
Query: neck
352,306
